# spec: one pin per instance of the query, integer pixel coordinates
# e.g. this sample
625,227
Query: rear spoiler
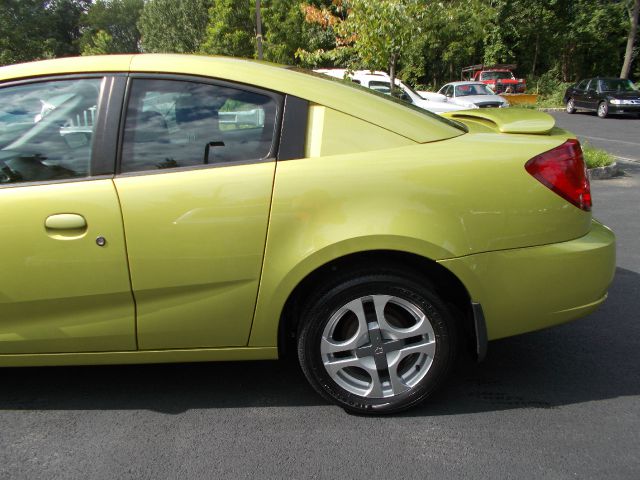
508,120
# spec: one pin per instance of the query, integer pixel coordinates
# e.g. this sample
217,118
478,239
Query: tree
100,43
231,29
520,30
283,22
111,26
171,26
453,36
633,31
36,29
384,32
22,26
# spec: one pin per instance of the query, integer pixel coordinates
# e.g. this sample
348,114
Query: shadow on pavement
588,360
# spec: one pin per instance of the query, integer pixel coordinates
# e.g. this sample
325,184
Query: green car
167,208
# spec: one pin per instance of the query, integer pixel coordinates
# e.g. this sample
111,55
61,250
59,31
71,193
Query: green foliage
111,26
383,31
579,38
427,42
595,157
231,29
550,89
32,29
321,43
99,43
22,26
283,22
453,34
172,26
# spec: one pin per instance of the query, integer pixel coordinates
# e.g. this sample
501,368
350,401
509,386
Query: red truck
499,78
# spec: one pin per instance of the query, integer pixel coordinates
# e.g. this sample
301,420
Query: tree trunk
259,29
535,55
633,30
392,72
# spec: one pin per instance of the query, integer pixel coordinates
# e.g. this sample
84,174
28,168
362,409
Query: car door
65,282
196,176
591,95
577,92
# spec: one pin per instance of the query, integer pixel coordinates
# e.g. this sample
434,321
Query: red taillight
563,171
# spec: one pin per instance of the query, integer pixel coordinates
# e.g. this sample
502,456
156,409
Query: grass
596,157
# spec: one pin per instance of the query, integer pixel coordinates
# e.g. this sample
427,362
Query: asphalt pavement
618,134
563,403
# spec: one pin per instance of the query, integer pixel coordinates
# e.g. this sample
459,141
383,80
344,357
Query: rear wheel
376,343
571,106
603,110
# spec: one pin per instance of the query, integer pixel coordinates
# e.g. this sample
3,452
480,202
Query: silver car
472,94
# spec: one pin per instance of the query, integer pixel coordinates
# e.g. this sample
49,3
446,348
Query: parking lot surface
562,403
619,135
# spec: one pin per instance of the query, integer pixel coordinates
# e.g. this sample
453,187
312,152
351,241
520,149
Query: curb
551,109
602,173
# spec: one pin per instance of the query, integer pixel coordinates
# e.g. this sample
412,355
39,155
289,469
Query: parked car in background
499,78
605,96
469,94
175,208
381,82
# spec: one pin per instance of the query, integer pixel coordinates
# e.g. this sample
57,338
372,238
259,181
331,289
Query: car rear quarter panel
440,200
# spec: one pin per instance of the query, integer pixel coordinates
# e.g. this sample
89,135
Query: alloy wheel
378,346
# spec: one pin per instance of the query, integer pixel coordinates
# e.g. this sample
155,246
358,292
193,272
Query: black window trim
293,135
277,97
98,169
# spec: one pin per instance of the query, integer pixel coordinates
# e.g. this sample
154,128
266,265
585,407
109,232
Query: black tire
395,286
571,106
603,110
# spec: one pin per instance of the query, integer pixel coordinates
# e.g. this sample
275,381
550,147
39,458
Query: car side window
175,123
46,130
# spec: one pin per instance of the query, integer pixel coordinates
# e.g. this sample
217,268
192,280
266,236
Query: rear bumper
527,289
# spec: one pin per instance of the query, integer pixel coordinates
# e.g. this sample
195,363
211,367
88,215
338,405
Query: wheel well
445,283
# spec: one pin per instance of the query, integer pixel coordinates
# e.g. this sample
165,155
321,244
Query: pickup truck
499,78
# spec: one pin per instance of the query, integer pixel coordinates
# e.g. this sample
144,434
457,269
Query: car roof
455,84
320,89
604,78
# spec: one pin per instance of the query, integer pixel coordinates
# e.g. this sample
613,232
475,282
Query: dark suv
604,96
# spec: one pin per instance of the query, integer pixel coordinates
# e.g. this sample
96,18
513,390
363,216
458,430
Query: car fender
275,290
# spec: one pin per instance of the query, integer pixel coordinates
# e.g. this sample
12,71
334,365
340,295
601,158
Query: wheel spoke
428,347
375,386
421,327
360,337
397,384
375,390
333,366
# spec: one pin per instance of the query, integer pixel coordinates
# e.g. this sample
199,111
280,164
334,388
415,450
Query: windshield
473,89
495,75
382,87
616,85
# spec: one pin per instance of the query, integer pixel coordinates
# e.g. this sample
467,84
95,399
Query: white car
381,82
467,94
